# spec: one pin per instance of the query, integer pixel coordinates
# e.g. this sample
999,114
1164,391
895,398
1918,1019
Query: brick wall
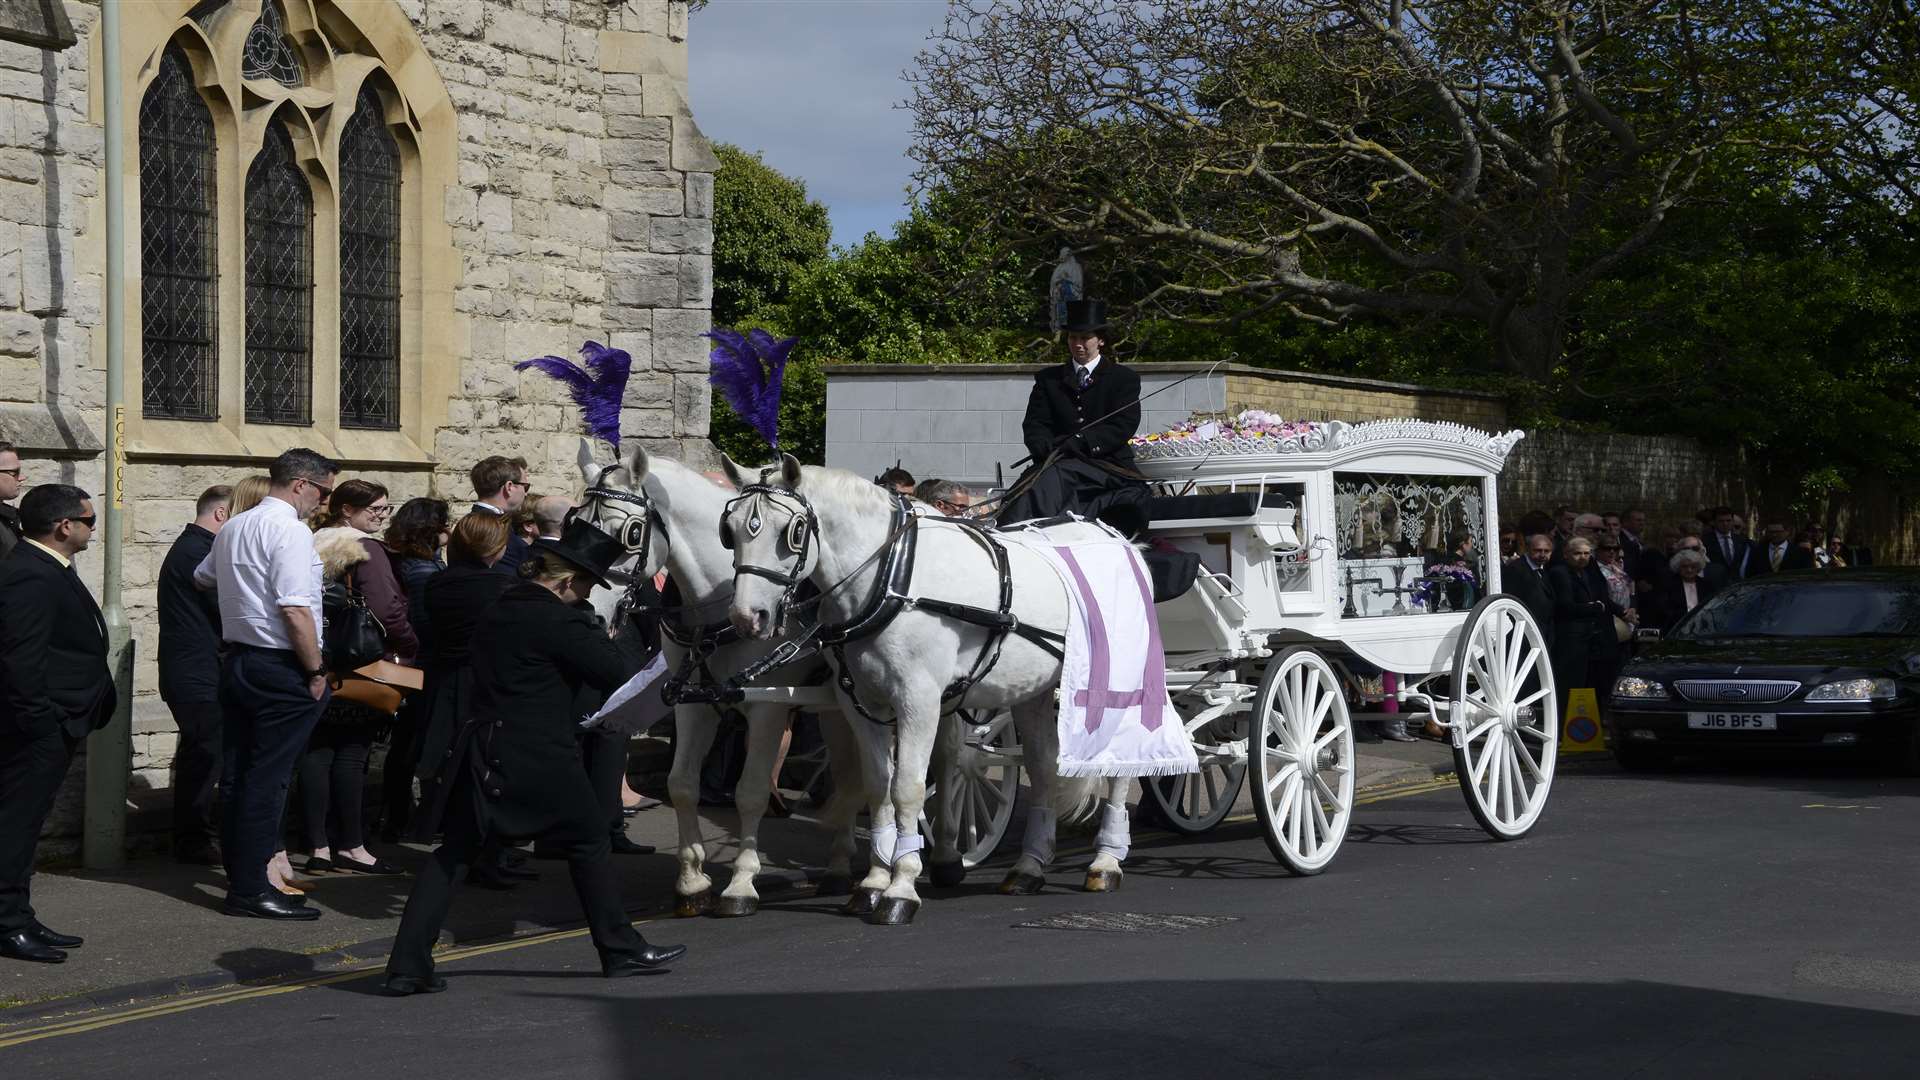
1299,396
1669,477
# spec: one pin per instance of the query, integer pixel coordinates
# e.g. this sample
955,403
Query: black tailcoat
457,600
1081,481
1521,581
532,658
189,623
53,649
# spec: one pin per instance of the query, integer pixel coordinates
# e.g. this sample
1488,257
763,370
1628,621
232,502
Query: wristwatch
315,673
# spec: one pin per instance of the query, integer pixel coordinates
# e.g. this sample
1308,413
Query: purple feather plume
749,368
599,388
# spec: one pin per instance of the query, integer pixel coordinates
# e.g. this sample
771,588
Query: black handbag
354,636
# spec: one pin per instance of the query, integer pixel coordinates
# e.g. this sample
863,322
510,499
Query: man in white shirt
499,487
273,683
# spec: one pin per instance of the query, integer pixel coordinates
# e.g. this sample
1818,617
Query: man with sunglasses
54,692
499,487
273,683
9,489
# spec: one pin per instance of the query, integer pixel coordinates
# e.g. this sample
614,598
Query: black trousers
1069,484
31,770
604,753
196,770
269,717
589,862
333,785
396,776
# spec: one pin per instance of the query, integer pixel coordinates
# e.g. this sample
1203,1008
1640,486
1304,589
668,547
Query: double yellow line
172,1006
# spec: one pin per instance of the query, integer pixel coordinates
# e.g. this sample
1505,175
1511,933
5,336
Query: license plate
1732,721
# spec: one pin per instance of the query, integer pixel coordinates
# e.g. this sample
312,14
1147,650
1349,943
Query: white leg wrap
1114,838
908,845
884,839
1038,844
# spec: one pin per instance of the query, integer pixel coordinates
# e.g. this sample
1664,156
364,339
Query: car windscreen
1814,608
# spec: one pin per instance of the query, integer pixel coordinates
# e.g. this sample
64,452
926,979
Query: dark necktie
1082,376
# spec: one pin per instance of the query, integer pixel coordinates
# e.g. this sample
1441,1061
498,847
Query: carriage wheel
1301,753
1192,803
987,772
1501,720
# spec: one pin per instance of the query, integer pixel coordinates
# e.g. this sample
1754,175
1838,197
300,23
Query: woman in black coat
457,600
415,535
1673,597
1583,615
519,775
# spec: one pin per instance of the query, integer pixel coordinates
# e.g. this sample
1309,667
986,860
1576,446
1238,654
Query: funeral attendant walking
190,678
273,685
54,691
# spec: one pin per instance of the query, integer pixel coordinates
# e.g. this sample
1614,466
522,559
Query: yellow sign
1582,732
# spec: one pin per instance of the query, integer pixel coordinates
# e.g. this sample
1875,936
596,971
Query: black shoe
408,985
53,939
22,945
317,865
651,958
205,853
516,873
377,866
489,877
624,846
271,904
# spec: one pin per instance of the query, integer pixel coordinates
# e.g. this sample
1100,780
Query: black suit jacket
9,530
189,623
1744,555
1057,408
1583,611
517,548
534,658
1529,586
53,649
1761,561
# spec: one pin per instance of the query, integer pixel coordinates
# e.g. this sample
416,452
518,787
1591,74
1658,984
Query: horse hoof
693,905
834,885
894,911
735,907
1104,880
947,875
862,901
1018,884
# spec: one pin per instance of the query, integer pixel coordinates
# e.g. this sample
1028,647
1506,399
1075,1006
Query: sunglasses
325,491
87,521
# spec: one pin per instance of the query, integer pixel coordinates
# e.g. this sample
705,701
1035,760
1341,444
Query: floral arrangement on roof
1249,424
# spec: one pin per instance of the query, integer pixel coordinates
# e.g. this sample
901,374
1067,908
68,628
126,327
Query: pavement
155,927
1709,920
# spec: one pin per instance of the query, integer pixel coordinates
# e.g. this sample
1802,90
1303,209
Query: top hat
1086,316
585,547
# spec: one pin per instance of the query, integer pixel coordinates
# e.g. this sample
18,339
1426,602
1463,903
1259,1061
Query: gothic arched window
279,257
178,260
267,53
369,269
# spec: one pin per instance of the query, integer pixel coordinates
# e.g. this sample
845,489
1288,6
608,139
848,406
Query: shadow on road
1137,1026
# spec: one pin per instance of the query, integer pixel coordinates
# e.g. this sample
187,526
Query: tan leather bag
380,686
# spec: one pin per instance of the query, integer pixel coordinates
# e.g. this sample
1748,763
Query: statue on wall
1069,282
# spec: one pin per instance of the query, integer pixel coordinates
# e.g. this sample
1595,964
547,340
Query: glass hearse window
1408,545
1863,608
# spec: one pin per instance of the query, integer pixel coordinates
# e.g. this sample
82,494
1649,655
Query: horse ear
790,470
733,471
587,467
637,470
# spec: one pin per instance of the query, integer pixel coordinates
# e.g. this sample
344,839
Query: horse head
617,503
774,534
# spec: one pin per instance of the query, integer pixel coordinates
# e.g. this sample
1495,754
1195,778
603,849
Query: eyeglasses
323,489
87,521
13,472
380,511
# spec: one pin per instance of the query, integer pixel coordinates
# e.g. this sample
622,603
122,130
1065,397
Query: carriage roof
1406,446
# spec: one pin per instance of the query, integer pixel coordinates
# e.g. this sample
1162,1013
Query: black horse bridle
801,531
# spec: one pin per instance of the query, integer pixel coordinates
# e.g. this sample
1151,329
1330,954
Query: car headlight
1634,687
1855,690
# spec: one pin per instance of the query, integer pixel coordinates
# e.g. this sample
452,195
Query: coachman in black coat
1078,436
520,775
458,600
54,692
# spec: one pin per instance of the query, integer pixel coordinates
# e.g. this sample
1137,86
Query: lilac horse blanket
1115,716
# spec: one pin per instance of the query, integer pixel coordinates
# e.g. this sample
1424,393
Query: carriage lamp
1634,688
1855,690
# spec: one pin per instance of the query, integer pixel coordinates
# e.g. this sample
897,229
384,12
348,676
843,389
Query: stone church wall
577,205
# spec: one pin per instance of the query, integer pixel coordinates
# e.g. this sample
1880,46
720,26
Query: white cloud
814,86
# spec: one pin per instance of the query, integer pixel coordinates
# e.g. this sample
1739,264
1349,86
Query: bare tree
1485,160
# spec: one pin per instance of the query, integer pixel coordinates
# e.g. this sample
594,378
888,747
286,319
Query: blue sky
814,85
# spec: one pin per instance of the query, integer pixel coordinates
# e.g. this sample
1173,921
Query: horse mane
845,488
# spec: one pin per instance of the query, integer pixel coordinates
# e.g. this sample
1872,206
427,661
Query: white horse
687,509
793,522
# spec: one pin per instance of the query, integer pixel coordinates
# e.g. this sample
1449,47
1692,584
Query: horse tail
1077,799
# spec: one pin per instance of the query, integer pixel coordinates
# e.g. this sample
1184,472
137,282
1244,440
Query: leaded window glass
369,269
268,54
178,268
279,365
1409,544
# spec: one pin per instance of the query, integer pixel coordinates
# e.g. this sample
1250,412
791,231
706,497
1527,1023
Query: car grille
1736,691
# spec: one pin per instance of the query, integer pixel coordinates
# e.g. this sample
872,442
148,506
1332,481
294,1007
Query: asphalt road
1714,921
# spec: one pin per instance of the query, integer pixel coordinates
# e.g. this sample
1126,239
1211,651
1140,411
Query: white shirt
1777,554
488,507
262,561
1691,591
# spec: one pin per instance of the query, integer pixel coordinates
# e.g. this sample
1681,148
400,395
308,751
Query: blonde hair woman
247,493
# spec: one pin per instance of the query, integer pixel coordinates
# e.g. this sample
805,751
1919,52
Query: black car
1806,659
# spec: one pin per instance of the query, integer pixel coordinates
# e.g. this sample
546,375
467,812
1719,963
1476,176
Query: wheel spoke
1281,777
1521,791
1533,697
1321,743
1538,733
1319,827
1481,729
1526,758
1486,758
1332,796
